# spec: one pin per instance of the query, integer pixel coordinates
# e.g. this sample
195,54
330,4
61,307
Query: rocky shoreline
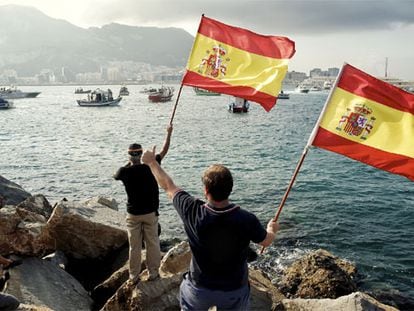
75,257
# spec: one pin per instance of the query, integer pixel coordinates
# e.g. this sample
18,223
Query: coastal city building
113,73
143,73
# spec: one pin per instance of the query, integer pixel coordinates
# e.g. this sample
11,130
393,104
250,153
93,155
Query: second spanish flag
371,121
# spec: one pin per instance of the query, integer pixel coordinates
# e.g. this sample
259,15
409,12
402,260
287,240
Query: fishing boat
99,98
123,91
80,90
5,104
302,89
283,95
163,94
148,90
14,93
315,88
327,85
239,105
203,92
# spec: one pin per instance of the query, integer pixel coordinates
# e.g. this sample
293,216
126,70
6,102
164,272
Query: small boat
123,91
149,90
302,89
14,93
315,88
283,95
5,104
163,94
80,90
99,98
239,105
327,85
203,92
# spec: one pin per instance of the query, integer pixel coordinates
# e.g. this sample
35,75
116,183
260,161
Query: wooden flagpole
176,103
292,180
305,150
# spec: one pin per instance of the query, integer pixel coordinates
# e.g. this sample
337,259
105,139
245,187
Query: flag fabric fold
238,62
369,120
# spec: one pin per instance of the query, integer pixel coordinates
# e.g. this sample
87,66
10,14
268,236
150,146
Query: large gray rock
37,204
176,260
100,200
160,294
23,232
319,275
26,307
11,192
41,283
354,302
87,231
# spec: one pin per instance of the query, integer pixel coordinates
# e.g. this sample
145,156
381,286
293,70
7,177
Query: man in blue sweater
219,234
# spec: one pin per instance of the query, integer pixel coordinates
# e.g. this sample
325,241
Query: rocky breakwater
75,257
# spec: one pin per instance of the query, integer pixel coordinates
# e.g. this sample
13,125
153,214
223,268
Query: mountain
31,41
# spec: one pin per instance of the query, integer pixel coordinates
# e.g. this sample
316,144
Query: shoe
132,282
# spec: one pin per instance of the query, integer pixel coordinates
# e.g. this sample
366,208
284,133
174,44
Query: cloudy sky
327,32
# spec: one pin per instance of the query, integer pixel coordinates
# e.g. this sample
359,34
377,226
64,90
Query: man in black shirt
142,210
219,234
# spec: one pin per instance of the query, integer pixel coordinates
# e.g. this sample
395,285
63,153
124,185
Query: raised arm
166,145
165,181
272,228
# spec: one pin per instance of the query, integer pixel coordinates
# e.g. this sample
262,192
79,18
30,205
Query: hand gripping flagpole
305,151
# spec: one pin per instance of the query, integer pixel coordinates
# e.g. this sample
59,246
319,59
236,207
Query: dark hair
218,182
134,150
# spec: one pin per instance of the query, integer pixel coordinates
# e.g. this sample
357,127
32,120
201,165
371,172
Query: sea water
51,146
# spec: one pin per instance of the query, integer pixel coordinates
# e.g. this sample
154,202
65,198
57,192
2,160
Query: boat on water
302,89
204,92
239,105
14,93
163,94
283,95
123,91
80,90
327,85
99,98
315,88
5,104
148,90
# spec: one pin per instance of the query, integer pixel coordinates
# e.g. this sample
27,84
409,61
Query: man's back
219,240
141,188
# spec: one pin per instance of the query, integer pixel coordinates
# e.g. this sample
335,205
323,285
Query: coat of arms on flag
358,121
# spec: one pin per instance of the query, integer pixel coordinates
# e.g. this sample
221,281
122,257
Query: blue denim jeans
194,297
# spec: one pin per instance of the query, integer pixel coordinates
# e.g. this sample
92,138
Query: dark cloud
299,17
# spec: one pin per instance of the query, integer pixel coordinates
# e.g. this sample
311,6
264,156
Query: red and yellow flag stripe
238,62
370,121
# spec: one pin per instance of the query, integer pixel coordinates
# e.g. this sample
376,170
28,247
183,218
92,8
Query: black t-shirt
141,188
219,239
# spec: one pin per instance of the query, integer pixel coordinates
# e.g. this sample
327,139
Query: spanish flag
236,61
370,121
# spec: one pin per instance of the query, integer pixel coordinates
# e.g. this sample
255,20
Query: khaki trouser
143,227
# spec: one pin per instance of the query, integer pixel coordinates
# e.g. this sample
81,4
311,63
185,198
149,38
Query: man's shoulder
182,197
245,213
